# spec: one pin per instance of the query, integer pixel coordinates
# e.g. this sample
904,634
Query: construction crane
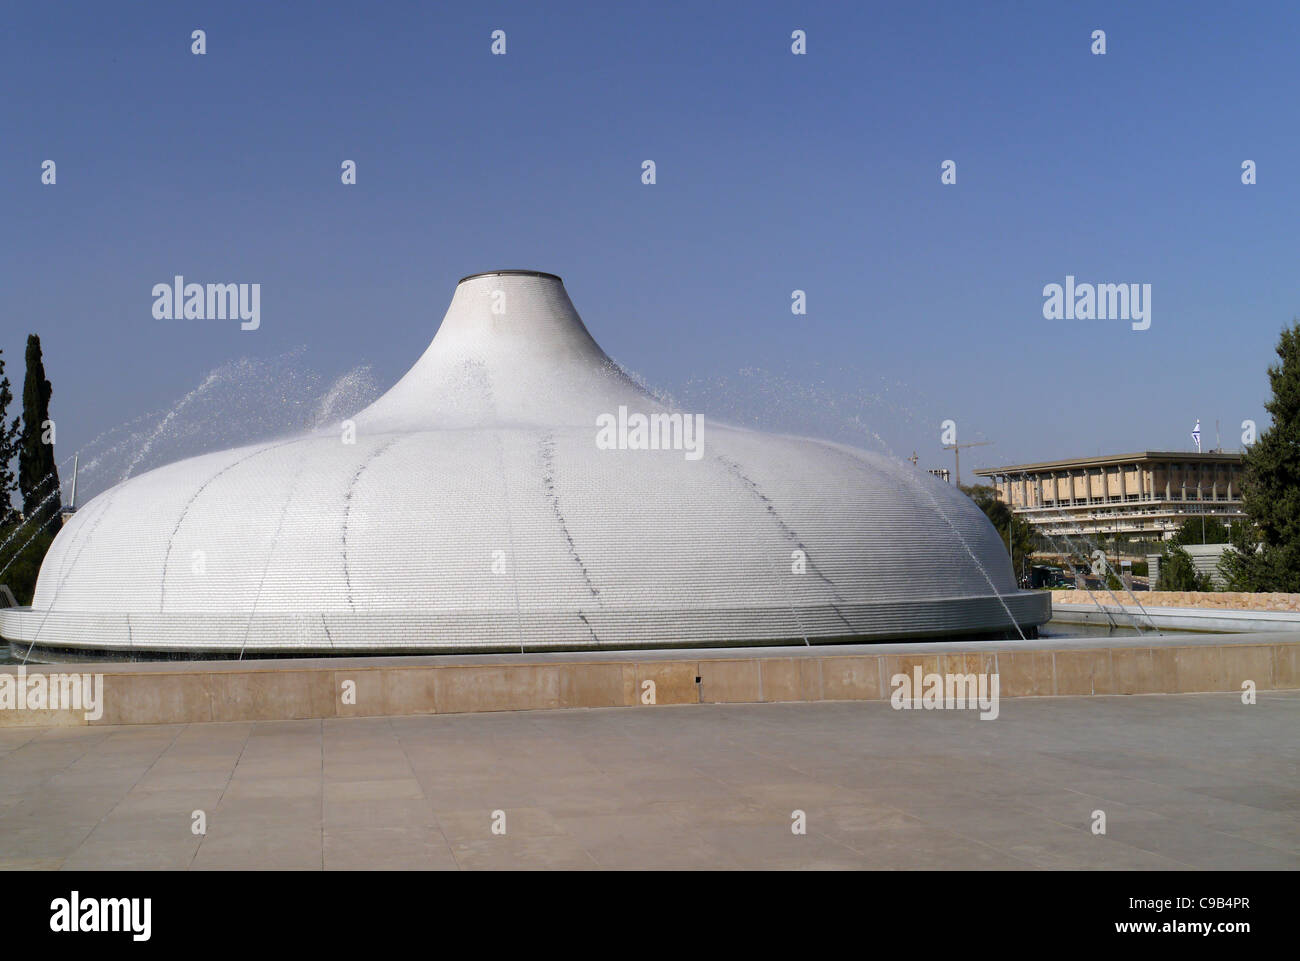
956,451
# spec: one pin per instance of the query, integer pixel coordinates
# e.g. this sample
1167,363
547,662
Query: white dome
476,511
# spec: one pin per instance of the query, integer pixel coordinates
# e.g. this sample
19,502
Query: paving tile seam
423,793
97,824
1138,805
1105,837
906,814
225,787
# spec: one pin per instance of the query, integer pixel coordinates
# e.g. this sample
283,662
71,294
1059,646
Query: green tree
1177,573
22,558
38,476
9,434
1206,530
1016,533
1268,555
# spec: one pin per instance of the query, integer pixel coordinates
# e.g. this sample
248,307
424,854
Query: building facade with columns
1148,494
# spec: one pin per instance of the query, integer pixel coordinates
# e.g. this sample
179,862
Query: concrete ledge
191,691
1178,618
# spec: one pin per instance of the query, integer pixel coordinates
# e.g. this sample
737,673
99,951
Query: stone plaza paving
1185,781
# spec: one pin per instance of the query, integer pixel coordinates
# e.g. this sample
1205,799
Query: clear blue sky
775,172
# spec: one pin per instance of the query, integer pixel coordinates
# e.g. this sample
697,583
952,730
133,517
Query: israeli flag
1196,435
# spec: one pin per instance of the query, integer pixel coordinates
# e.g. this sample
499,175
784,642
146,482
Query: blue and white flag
1196,435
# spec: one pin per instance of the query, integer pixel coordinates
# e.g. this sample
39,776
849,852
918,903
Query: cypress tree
1269,557
38,475
9,434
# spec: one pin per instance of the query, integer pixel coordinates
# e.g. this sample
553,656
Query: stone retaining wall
1216,600
285,690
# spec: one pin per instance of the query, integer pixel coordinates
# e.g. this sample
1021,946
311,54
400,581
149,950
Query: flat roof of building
1110,460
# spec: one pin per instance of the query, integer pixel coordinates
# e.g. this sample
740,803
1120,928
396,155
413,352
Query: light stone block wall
1210,600
285,690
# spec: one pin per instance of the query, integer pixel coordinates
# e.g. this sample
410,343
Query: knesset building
475,511
1147,494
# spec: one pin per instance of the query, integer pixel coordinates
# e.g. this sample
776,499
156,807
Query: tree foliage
1268,553
1012,529
1177,573
1207,530
10,432
38,476
23,556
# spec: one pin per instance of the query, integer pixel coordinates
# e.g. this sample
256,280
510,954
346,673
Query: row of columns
1146,485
